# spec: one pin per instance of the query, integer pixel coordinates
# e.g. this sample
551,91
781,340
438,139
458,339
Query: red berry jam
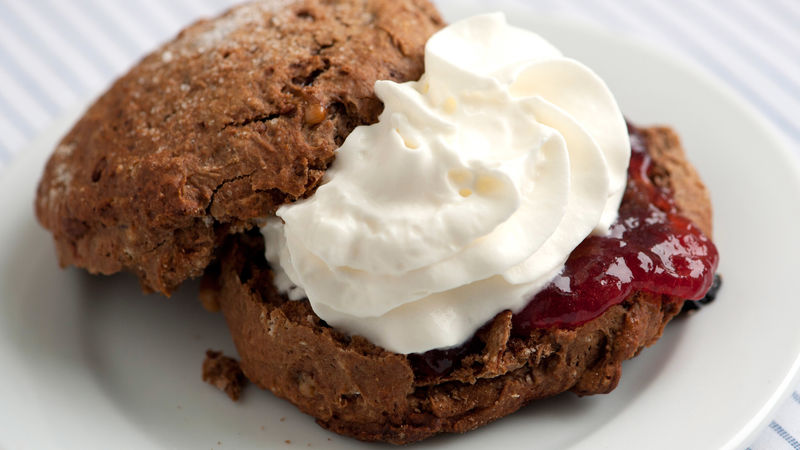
651,248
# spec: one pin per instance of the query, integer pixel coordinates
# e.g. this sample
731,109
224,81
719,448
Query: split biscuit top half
217,128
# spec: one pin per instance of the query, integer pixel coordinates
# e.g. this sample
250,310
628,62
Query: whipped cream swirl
465,199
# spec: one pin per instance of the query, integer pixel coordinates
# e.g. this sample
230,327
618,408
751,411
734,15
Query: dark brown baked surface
219,127
357,389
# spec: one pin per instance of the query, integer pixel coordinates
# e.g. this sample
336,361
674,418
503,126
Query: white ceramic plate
90,362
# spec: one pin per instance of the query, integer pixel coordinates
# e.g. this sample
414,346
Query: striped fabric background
55,54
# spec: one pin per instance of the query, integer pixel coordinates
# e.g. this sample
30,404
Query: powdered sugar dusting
64,150
62,175
218,30
62,178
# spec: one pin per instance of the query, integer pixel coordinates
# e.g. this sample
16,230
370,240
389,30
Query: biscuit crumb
224,373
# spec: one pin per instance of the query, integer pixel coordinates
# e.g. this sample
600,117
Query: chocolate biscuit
219,127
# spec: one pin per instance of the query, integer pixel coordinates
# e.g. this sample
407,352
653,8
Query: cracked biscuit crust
357,389
219,127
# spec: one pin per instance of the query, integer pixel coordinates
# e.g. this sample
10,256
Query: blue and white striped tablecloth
57,53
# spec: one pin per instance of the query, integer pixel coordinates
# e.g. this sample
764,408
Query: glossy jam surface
650,248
